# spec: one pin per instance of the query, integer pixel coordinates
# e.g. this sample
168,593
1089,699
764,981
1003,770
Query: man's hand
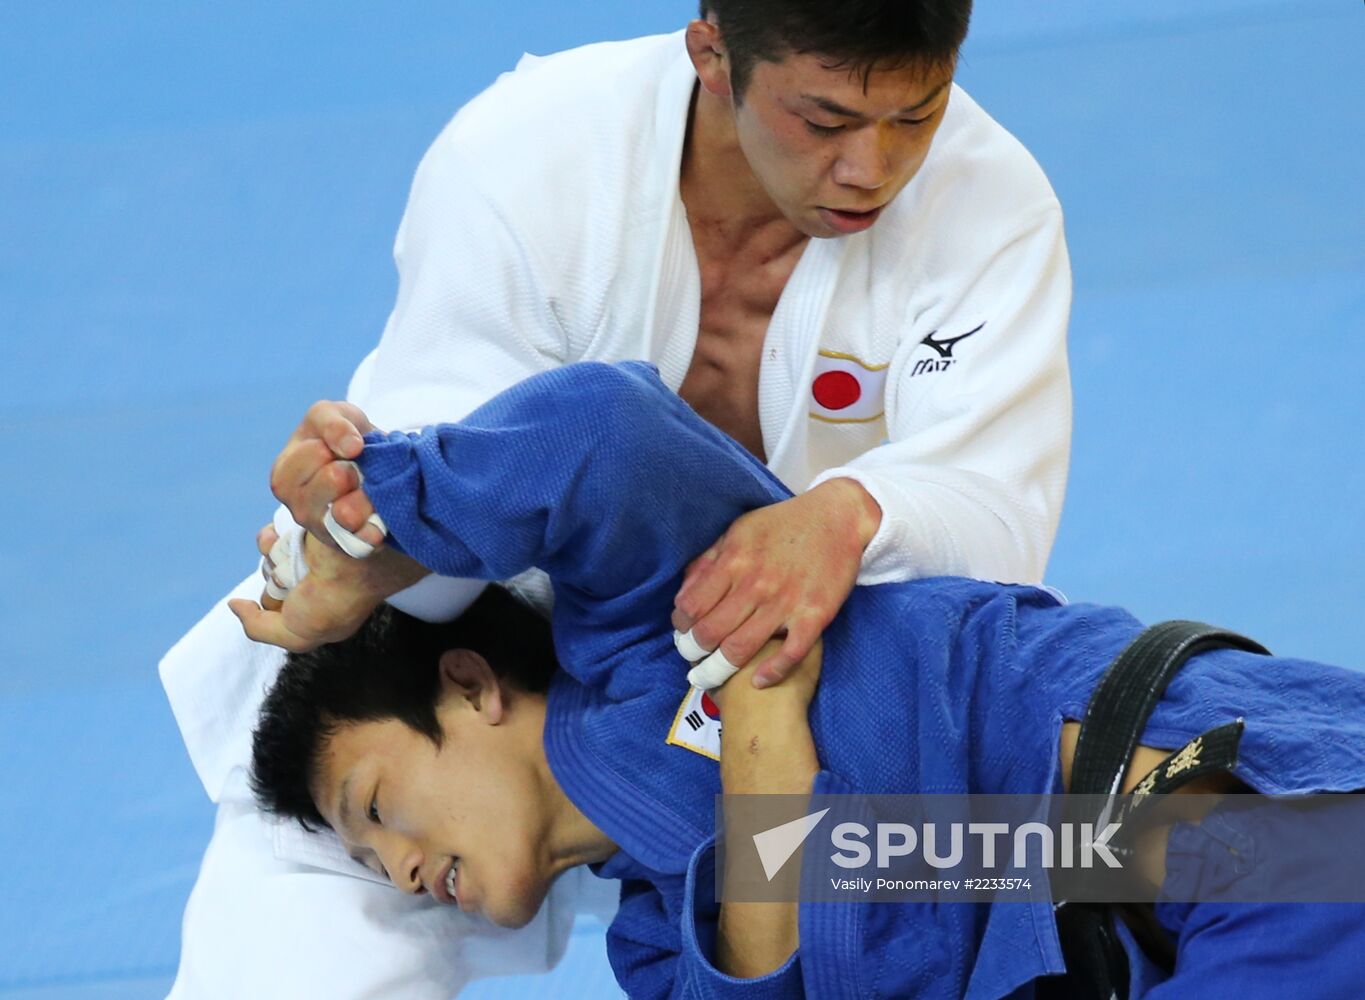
331,602
740,701
785,568
315,469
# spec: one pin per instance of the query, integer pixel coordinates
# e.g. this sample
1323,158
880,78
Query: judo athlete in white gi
828,249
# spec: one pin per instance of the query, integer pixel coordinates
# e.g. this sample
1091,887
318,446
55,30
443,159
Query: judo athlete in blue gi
488,788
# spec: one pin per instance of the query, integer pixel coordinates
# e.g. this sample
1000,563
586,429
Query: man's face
417,813
831,152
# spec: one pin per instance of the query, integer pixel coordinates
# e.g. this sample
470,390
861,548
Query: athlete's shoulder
574,156
974,148
564,115
978,183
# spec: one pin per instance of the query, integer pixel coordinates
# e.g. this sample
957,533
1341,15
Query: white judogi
545,226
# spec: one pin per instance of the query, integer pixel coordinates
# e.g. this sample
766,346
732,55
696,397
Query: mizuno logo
943,347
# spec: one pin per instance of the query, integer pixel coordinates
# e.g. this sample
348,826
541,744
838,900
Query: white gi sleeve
472,318
971,479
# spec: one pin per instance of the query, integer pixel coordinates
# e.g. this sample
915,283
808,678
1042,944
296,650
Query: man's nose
402,859
865,158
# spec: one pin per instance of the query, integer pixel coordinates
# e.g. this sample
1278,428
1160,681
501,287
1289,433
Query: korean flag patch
696,727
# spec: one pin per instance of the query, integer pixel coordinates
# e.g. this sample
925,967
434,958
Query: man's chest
740,291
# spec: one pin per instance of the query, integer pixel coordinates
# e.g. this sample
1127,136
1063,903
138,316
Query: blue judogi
602,477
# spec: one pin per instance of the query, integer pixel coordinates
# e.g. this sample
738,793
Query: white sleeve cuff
885,560
437,598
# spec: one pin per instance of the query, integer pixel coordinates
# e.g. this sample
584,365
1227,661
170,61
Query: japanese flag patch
696,727
846,390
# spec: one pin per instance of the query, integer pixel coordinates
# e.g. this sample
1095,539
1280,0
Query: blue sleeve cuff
698,976
386,458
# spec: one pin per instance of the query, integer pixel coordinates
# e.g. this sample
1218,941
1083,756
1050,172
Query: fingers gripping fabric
352,544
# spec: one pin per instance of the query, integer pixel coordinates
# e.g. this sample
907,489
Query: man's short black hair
862,35
387,670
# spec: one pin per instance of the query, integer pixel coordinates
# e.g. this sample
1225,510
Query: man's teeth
450,878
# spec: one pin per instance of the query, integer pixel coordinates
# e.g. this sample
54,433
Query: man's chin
514,914
509,921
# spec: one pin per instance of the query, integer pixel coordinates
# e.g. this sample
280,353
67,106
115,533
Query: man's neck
575,839
719,190
571,839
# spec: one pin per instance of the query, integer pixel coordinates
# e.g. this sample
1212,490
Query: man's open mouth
850,222
447,889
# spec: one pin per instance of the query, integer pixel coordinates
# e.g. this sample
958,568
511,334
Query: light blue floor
197,205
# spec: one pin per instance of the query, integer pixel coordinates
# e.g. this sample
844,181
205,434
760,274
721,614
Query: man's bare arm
767,749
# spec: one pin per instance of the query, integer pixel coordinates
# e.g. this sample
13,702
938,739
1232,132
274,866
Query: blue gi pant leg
1249,951
1228,944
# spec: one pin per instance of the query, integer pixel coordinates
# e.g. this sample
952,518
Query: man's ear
709,56
465,674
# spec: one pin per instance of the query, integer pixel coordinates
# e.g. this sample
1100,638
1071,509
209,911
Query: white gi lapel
789,356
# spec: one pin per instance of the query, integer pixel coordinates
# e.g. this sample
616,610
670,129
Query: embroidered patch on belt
847,390
696,727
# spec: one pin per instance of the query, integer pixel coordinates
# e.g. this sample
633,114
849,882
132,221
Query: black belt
1128,693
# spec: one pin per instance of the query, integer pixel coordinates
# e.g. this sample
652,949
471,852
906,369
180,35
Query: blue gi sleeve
642,942
595,473
697,974
655,953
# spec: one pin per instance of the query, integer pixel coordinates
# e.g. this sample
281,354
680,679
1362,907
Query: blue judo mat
196,209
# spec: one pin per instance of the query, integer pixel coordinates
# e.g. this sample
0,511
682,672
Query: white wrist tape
285,566
712,672
352,544
689,647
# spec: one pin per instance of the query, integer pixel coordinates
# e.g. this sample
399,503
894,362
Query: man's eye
915,121
373,811
822,129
